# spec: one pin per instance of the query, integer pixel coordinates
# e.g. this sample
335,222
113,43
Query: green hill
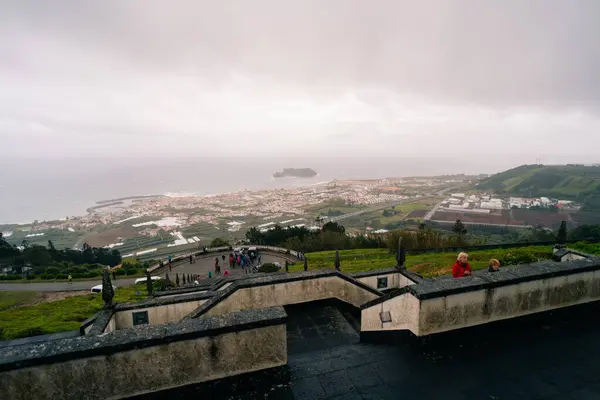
568,182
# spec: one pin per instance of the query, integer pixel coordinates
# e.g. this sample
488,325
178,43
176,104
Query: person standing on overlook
461,268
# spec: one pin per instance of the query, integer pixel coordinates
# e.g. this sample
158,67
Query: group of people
462,267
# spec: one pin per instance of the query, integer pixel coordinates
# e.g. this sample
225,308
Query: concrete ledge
101,322
445,286
375,272
87,324
385,297
39,338
140,337
163,301
274,279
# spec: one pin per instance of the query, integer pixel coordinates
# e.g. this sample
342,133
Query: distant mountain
569,182
296,172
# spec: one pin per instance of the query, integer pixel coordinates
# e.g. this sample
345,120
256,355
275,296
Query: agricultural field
432,264
61,238
332,205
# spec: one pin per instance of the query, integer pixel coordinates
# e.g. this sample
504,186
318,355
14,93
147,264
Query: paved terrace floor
555,355
201,266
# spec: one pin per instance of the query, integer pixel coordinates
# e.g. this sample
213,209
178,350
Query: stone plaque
140,318
382,283
385,316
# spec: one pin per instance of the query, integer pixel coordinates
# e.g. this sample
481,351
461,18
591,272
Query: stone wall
136,361
404,311
444,304
487,305
284,289
157,314
395,279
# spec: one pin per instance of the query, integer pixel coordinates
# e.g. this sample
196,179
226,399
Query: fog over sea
48,189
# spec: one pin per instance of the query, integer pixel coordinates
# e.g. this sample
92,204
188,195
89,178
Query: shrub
52,270
92,274
268,267
159,286
132,271
31,277
47,276
121,271
62,276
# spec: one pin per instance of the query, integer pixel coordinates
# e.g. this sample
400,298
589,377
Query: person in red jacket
462,268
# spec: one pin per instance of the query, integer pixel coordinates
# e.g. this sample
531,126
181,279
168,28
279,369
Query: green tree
561,236
460,231
333,227
219,242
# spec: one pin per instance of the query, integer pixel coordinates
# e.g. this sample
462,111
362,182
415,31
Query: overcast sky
510,77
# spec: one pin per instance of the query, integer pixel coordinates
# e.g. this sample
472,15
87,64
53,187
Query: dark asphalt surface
550,356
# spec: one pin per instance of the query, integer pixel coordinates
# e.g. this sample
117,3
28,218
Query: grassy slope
58,316
428,264
572,182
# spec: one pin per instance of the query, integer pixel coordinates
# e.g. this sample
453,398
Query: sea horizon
52,189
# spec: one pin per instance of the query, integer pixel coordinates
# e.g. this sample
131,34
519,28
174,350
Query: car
98,289
143,280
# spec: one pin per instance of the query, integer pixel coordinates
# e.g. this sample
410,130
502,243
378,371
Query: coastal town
174,220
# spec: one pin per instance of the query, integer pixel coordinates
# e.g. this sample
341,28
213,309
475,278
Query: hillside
569,182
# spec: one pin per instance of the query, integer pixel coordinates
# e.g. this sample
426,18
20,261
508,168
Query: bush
47,276
268,267
52,270
92,274
10,277
159,286
121,271
31,277
132,271
62,276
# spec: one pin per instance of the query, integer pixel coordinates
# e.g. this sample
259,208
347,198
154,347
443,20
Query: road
380,206
201,267
431,213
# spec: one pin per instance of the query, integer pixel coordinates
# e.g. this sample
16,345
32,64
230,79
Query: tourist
191,258
169,258
209,274
462,268
259,258
226,273
170,266
231,262
114,275
494,265
239,260
223,258
70,278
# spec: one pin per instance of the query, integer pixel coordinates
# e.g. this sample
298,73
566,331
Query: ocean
49,189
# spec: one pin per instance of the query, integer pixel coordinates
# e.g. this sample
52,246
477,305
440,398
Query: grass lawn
9,299
62,315
425,264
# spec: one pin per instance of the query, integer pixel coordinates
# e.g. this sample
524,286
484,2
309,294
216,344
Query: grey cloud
109,66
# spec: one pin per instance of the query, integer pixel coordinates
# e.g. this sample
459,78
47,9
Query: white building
458,195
